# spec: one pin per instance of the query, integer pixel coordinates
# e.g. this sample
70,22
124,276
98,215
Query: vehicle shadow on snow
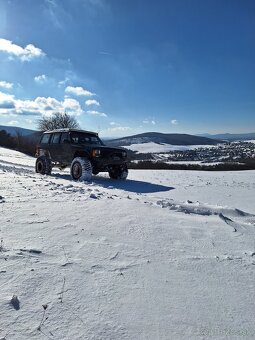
127,185
130,185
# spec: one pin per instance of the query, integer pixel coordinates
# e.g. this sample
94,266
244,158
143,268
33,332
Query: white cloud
153,122
174,122
6,101
72,106
114,124
78,91
38,106
25,54
40,79
96,113
92,102
6,85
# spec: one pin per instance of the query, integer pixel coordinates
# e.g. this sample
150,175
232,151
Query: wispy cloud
174,121
96,113
105,53
78,91
57,14
92,102
63,82
61,17
29,121
13,122
119,128
40,79
25,54
149,121
6,85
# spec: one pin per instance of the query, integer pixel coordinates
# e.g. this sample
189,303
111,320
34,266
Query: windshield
84,138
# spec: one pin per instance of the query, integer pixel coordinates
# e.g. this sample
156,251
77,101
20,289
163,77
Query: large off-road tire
119,172
81,169
43,165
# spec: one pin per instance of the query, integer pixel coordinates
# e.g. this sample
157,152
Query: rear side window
45,138
55,138
64,136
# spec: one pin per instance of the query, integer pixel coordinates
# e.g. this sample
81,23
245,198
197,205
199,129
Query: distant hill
165,138
12,130
231,136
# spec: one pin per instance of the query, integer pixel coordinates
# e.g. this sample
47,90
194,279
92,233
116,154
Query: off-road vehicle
83,151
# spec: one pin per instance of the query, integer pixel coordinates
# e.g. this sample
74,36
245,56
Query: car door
65,149
55,147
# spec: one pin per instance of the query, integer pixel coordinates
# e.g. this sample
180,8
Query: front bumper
106,164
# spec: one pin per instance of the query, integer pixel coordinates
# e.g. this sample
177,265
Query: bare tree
57,121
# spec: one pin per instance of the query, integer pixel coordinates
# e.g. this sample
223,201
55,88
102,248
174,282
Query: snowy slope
163,255
166,138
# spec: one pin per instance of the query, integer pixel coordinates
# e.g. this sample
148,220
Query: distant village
228,152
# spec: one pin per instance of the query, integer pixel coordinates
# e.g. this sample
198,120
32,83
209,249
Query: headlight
124,154
96,153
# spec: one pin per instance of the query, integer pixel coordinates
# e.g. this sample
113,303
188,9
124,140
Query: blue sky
129,66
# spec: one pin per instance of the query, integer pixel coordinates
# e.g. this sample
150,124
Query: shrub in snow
15,302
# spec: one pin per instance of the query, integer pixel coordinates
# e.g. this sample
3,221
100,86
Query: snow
151,147
250,141
15,158
163,255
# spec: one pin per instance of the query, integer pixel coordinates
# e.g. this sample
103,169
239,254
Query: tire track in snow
16,168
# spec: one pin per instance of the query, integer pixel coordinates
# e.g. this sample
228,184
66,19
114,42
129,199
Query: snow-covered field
151,147
163,255
246,141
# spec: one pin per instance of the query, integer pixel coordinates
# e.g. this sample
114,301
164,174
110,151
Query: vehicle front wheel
119,172
81,169
43,165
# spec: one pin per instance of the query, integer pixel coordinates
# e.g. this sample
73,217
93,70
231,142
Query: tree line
27,144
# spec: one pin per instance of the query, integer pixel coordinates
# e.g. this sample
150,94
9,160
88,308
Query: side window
64,136
83,140
45,138
74,138
55,138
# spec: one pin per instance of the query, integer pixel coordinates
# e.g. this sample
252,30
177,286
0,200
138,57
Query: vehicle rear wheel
43,165
81,169
119,172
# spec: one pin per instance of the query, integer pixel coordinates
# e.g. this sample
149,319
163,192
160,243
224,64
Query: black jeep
83,151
